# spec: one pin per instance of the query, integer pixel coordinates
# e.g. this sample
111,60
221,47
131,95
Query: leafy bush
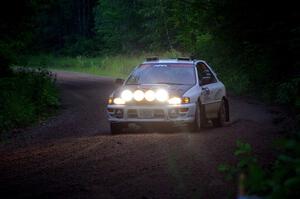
81,47
26,97
289,93
5,59
280,181
225,61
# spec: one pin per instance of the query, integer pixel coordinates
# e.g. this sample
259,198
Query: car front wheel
116,128
220,121
197,123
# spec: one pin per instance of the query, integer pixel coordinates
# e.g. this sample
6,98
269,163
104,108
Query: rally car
173,91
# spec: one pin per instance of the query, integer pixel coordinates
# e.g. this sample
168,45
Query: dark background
259,38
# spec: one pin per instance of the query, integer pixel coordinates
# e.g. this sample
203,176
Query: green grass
235,78
113,66
26,97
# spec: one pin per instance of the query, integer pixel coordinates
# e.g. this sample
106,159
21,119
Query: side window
205,75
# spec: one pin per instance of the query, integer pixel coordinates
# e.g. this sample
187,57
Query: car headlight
138,95
127,95
162,95
119,101
174,100
150,95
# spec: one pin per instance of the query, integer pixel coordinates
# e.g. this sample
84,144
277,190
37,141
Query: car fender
193,93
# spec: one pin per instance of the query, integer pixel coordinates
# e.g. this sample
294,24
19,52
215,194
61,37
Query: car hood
173,90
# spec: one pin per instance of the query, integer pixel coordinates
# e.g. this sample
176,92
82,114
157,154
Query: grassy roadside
27,96
233,75
236,80
114,66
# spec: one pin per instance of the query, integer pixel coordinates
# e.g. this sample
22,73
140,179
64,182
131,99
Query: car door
211,94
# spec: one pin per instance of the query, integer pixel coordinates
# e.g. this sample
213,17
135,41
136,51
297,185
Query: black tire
198,122
116,128
222,116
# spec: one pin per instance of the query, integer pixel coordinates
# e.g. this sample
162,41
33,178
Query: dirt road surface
73,154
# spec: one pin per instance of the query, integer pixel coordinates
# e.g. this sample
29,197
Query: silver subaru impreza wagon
174,91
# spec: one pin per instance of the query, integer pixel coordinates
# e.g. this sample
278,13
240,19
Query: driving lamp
162,95
138,95
127,95
150,95
119,101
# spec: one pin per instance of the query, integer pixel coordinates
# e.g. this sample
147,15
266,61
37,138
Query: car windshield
163,73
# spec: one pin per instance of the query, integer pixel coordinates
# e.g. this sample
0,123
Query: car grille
132,113
145,113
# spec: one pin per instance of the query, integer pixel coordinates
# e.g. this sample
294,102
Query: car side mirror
119,82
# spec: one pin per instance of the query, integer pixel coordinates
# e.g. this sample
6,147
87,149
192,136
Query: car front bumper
184,113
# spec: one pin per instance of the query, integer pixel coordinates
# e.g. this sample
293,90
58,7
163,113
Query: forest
254,45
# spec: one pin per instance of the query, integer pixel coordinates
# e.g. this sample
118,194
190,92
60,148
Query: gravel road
73,155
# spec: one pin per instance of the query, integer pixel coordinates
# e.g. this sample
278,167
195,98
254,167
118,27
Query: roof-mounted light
184,59
152,59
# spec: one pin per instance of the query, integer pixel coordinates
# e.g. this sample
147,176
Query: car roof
159,61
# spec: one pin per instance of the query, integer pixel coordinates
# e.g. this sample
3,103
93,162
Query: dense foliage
26,97
280,180
252,44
